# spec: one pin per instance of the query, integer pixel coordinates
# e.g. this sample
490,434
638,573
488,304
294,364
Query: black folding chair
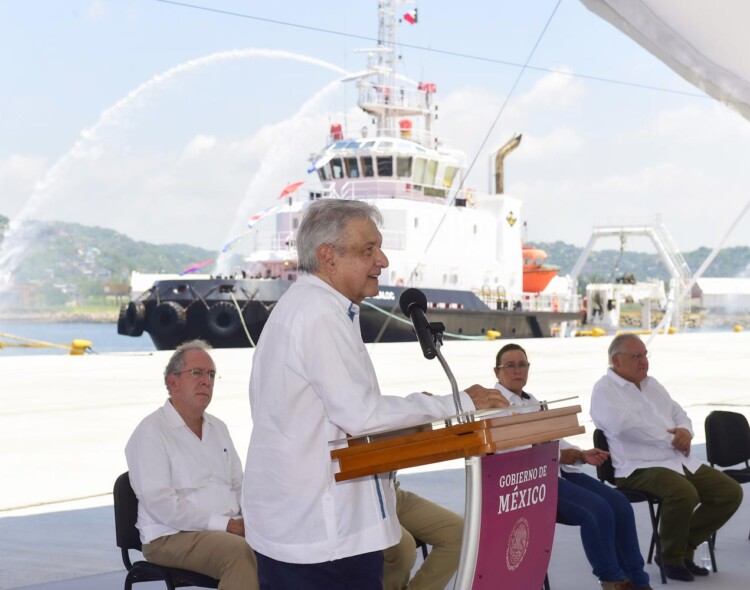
728,444
606,473
126,514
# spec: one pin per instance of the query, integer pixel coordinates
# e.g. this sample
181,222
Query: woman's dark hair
508,348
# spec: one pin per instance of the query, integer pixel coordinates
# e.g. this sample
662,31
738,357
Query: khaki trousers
438,527
218,554
694,505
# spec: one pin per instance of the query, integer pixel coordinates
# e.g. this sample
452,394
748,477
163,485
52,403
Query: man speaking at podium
313,382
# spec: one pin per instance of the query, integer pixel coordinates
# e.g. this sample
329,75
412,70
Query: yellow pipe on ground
77,347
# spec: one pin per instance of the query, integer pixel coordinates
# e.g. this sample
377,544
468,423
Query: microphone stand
436,331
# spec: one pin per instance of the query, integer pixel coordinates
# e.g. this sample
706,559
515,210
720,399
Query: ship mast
379,93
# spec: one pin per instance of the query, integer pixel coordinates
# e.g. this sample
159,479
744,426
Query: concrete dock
65,420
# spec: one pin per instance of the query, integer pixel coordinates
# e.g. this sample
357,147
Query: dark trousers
694,505
363,572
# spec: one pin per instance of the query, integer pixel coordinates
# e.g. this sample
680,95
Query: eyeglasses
200,373
512,366
635,356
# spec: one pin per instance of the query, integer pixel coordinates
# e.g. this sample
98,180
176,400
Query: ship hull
225,311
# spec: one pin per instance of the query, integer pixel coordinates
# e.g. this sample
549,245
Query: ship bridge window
324,172
419,166
337,169
385,165
450,174
352,167
367,167
429,180
430,172
403,166
368,144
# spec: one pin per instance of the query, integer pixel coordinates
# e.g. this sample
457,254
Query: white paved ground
65,420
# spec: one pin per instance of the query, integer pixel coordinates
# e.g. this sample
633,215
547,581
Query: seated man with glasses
187,477
608,532
649,436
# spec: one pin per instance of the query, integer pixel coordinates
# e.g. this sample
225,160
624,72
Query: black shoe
678,572
675,572
695,569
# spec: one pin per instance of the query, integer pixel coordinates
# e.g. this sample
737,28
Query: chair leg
711,546
169,582
655,540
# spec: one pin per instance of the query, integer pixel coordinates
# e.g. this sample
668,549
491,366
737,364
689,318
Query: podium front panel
519,509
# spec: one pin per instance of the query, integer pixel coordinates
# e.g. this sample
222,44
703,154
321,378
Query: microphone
413,304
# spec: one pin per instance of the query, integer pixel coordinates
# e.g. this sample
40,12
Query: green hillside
71,263
607,265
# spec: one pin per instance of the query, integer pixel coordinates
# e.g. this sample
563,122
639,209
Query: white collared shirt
183,483
313,382
635,422
527,406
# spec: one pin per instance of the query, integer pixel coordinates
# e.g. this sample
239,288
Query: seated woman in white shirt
605,516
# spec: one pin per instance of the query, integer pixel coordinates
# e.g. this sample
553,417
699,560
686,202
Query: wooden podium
425,444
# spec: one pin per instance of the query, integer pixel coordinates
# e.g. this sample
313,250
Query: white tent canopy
704,41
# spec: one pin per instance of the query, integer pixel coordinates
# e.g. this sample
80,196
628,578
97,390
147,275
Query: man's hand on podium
484,398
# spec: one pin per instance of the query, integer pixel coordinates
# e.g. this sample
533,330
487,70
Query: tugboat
461,247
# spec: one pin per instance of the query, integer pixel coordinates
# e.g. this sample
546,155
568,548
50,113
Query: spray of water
265,185
19,233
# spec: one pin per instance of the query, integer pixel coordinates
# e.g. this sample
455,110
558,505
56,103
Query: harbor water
103,337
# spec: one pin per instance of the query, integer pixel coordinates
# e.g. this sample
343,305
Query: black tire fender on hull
223,319
167,319
132,319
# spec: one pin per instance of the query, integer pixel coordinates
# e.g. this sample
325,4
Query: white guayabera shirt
528,405
183,483
313,382
636,423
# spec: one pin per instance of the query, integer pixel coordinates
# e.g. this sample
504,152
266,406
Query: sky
173,124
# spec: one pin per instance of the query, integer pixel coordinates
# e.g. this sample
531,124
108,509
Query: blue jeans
608,532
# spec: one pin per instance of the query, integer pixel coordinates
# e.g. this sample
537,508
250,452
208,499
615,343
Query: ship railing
498,298
403,188
275,241
418,135
398,100
421,136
